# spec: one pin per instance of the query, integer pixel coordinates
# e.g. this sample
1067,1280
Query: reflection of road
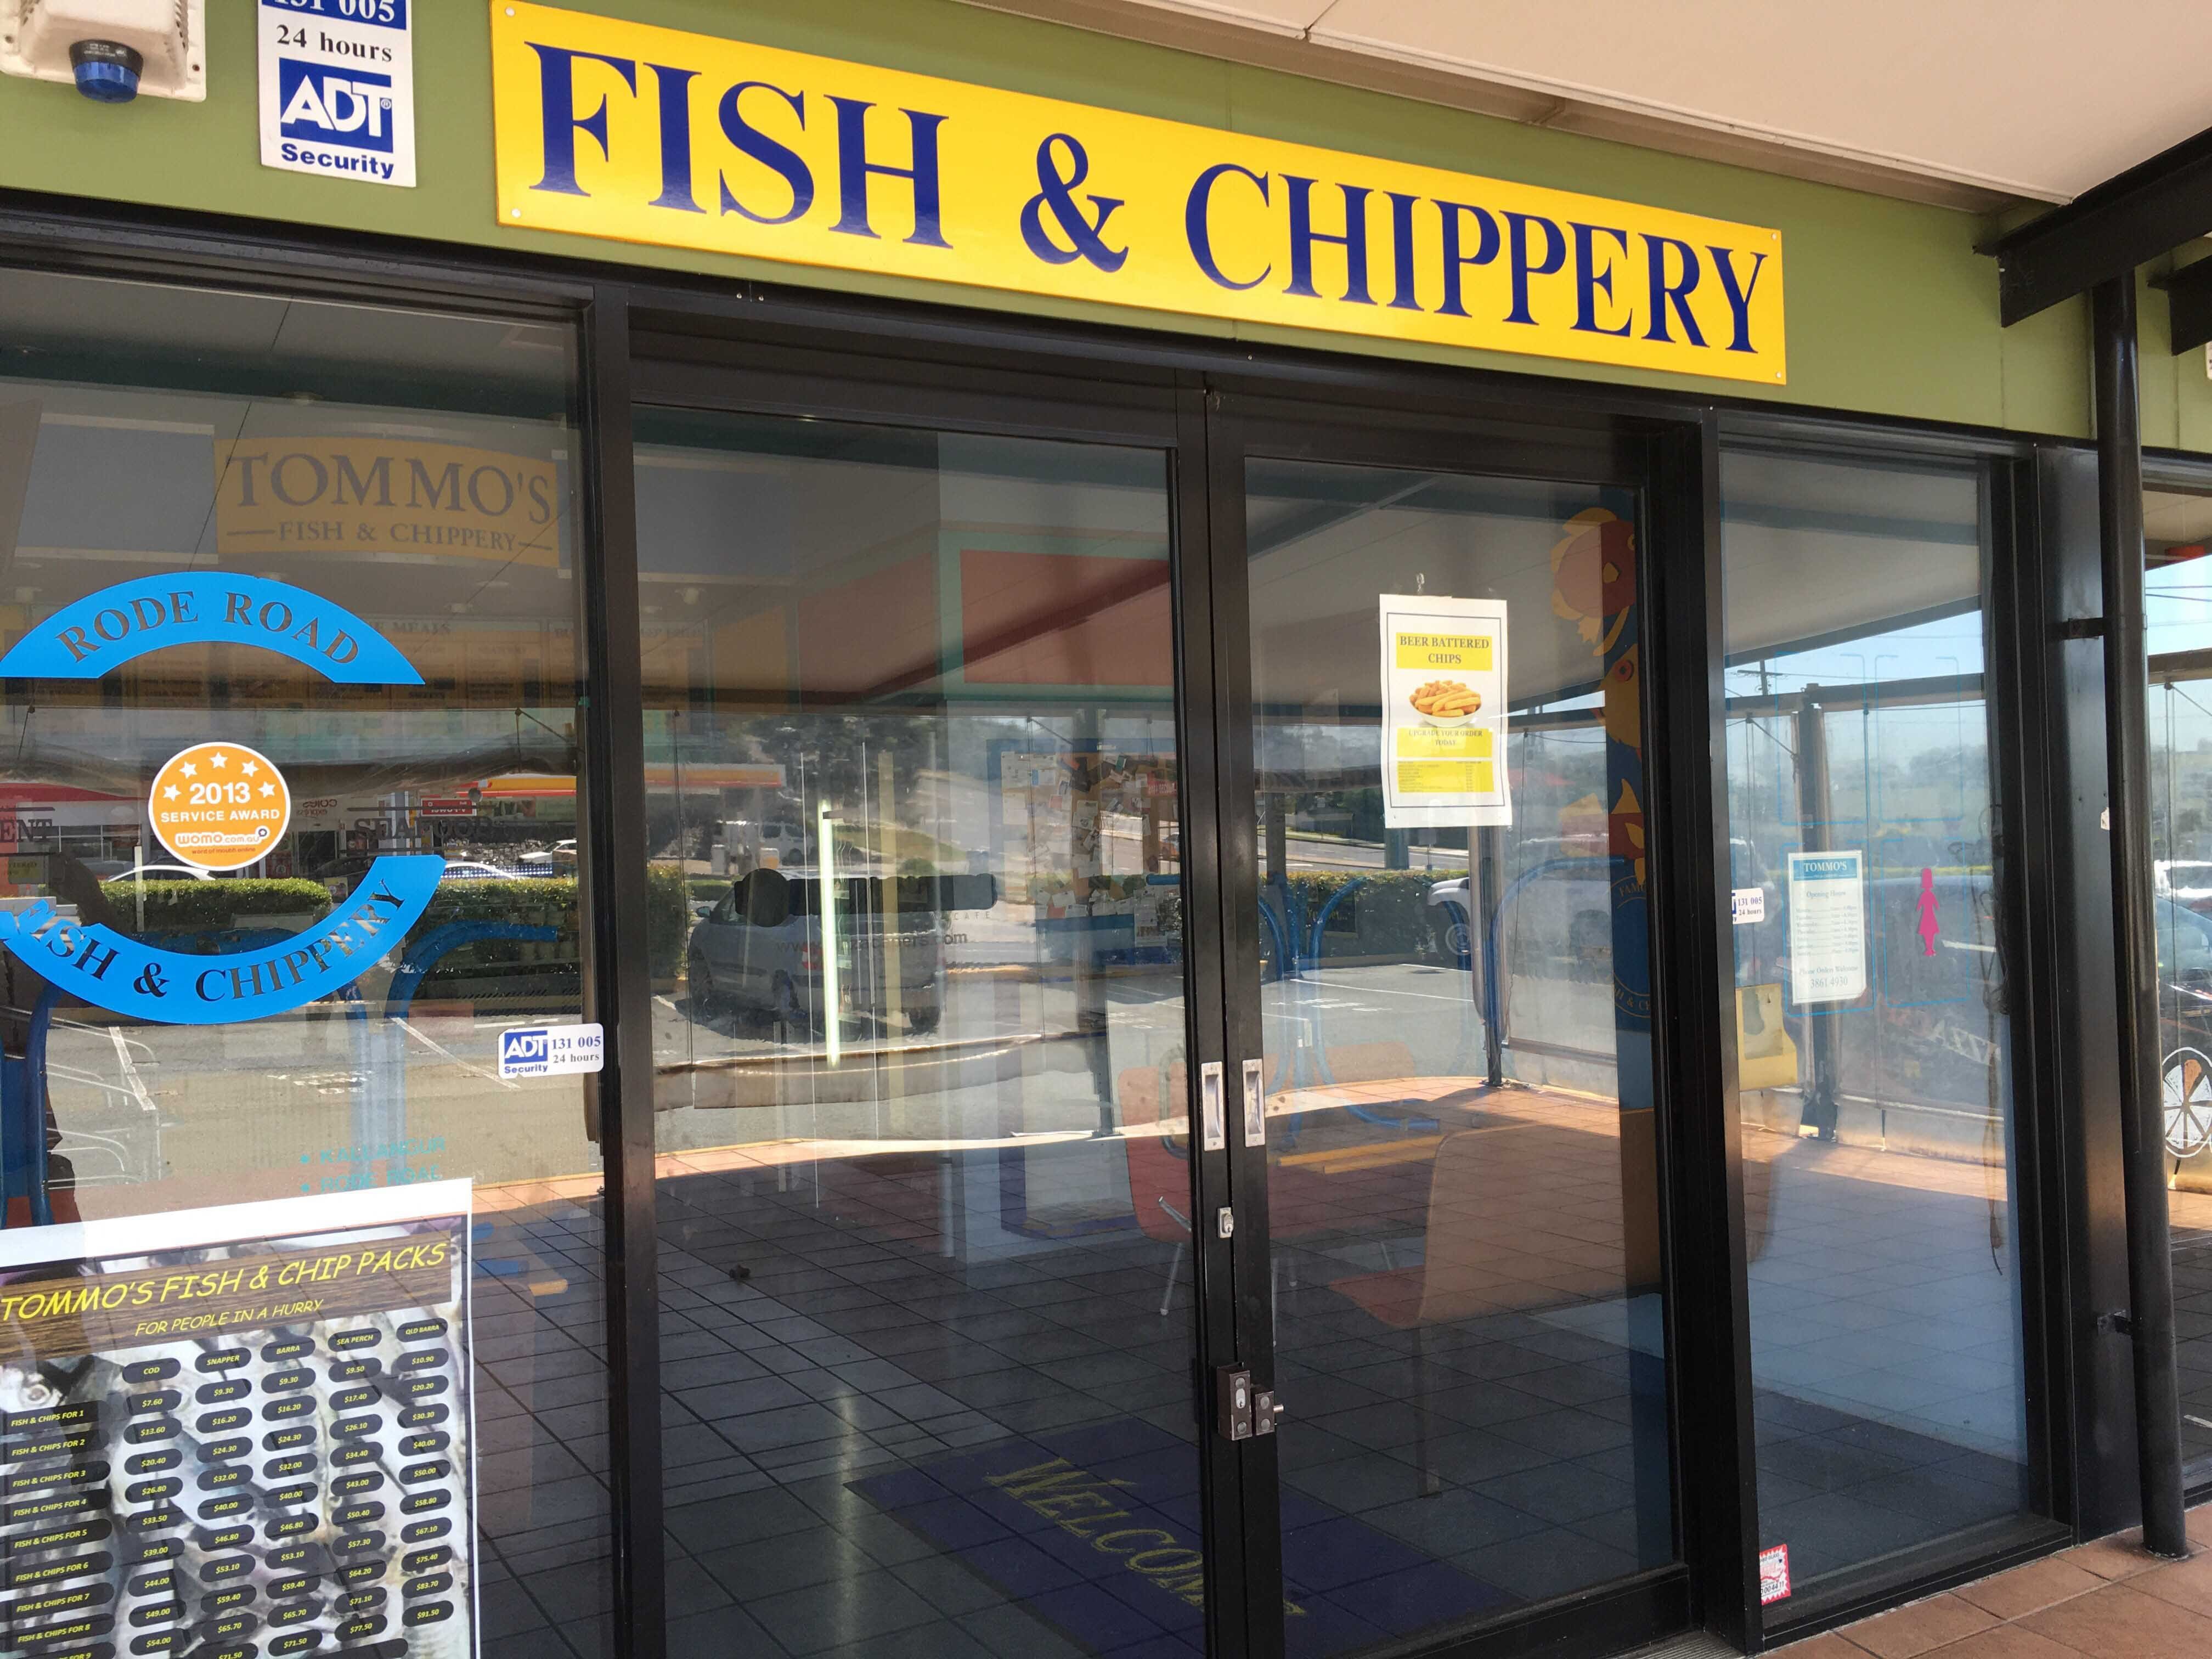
1327,852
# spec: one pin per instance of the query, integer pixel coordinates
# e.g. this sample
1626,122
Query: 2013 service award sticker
220,805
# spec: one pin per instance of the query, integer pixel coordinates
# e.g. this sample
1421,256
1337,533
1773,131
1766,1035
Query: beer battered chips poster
1444,712
242,1431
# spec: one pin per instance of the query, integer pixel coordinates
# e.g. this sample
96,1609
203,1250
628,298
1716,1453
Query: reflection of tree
835,757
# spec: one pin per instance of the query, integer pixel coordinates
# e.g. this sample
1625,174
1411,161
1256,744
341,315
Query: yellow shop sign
608,128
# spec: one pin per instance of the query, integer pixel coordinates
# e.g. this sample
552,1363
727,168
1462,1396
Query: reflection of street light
826,881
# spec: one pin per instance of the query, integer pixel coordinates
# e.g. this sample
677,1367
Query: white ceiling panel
2035,98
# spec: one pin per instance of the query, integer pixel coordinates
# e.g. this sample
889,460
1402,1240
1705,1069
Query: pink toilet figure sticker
1927,907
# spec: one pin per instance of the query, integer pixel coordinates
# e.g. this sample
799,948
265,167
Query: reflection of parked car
760,949
473,870
2188,881
2185,1029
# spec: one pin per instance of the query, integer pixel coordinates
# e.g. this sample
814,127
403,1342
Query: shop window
2177,625
287,601
1874,1049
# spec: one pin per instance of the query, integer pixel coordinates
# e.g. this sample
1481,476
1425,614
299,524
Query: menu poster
1444,712
240,1431
1828,926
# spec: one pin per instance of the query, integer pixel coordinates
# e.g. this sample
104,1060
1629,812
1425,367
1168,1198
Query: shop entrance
1450,1005
1161,1145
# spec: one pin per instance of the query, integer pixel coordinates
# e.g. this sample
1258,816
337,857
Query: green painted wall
1890,309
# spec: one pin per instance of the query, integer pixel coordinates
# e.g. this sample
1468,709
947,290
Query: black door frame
1254,419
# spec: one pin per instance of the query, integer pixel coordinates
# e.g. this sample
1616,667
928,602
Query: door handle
1255,1103
1212,1111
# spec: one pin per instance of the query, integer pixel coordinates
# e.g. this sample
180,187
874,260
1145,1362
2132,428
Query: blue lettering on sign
386,14
524,1046
102,631
109,970
334,104
1823,869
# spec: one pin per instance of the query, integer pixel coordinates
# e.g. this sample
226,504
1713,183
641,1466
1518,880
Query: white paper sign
1828,926
1444,711
338,88
551,1050
1747,905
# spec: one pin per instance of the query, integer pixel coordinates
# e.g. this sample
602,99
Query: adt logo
524,1047
328,105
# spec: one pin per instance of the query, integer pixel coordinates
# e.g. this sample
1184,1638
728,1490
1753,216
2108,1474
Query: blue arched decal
105,969
94,635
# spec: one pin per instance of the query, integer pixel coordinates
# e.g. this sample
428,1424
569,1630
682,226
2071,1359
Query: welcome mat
1094,1531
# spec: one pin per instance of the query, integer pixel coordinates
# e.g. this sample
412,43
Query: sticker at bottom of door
1773,1575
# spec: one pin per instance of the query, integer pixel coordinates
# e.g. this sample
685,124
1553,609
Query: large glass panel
919,1037
1462,1155
1875,1046
2177,626
356,525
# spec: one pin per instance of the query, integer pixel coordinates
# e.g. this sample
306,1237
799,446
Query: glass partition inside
287,591
919,1042
1873,1037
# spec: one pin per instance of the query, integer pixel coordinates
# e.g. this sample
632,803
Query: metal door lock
1240,1410
1225,1223
1232,1393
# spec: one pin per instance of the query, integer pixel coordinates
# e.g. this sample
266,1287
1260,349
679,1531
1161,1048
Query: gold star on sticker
267,790
170,793
189,770
220,759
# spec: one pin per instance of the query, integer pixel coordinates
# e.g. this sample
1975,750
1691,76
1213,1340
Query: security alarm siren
110,50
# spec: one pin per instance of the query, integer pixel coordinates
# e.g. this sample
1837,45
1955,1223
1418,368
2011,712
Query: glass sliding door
1460,1145
920,1037
1881,1140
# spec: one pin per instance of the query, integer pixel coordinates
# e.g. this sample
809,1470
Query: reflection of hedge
552,902
1390,912
195,907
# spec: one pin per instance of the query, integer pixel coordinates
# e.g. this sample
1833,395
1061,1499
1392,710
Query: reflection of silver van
759,951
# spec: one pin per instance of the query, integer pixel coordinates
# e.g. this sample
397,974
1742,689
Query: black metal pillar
617,988
2150,1264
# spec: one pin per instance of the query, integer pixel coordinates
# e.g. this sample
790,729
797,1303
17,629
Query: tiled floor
2108,1600
2192,1316
1886,1349
860,1356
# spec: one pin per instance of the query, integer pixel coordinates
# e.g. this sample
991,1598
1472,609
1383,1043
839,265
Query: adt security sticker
338,88
551,1050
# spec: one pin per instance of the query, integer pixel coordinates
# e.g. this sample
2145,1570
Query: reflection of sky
2177,617
1948,647
2177,607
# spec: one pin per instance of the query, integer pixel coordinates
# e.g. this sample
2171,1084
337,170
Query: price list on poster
230,1445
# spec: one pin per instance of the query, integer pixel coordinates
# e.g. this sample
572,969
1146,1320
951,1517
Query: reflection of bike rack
380,1103
1307,1062
379,1110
